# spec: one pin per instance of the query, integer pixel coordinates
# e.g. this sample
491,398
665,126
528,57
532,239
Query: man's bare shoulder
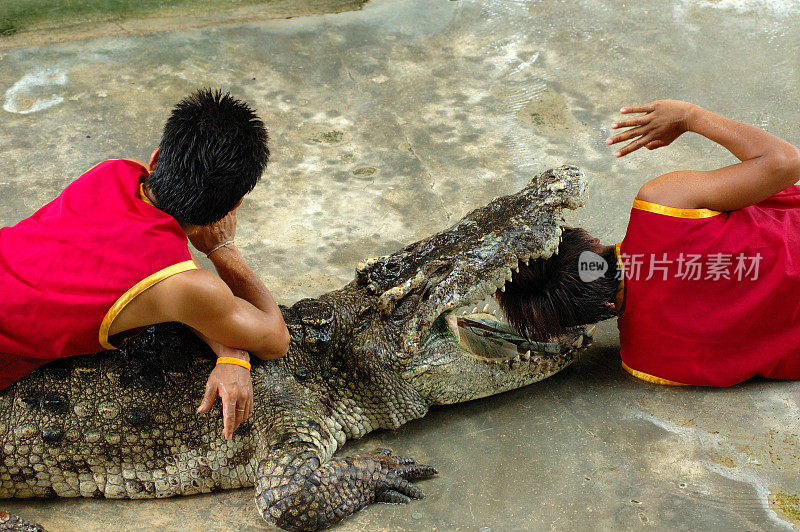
174,299
674,189
199,287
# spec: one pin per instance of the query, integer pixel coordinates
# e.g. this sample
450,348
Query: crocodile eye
407,306
439,268
392,268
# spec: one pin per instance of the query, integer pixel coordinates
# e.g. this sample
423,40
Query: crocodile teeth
486,307
508,274
515,362
526,355
474,310
591,330
578,342
503,288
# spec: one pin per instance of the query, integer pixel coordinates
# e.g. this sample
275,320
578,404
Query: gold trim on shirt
143,196
673,211
134,291
650,378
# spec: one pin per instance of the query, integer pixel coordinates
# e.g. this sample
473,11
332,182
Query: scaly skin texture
122,424
12,522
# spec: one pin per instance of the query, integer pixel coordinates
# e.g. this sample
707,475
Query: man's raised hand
662,123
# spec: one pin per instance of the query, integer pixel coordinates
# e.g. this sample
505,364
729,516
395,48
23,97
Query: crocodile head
435,298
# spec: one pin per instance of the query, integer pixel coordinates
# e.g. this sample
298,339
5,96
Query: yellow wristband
234,361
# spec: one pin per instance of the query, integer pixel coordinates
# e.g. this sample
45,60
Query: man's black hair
213,152
548,295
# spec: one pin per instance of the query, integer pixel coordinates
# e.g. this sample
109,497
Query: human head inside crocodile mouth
443,295
547,296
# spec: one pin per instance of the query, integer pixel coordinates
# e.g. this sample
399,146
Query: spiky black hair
548,295
213,152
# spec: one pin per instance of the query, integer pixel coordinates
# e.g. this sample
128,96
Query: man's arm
236,308
768,164
246,285
204,302
230,325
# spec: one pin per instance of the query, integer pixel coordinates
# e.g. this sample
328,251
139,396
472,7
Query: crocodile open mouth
481,330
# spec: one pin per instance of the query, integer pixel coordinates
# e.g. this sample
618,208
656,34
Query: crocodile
413,329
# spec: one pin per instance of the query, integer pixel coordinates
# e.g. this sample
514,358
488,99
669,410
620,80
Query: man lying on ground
706,282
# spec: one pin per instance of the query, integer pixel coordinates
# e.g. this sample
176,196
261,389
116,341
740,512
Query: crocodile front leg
297,488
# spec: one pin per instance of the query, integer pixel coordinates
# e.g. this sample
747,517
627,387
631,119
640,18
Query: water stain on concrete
549,113
365,171
329,137
37,90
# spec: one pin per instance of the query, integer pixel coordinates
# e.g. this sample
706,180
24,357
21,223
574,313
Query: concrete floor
392,122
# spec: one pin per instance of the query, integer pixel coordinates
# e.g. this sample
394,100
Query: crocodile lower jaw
485,334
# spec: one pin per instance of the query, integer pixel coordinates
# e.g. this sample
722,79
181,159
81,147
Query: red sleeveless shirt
68,270
712,298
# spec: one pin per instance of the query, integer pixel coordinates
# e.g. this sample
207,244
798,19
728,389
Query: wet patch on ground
549,113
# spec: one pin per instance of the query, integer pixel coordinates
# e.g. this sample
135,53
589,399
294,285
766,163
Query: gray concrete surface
392,122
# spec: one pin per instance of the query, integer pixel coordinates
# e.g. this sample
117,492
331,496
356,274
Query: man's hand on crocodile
234,387
232,384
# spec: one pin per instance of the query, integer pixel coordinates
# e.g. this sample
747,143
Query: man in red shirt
706,282
110,256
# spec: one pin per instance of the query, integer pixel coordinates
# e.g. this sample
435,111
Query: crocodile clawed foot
298,493
394,476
